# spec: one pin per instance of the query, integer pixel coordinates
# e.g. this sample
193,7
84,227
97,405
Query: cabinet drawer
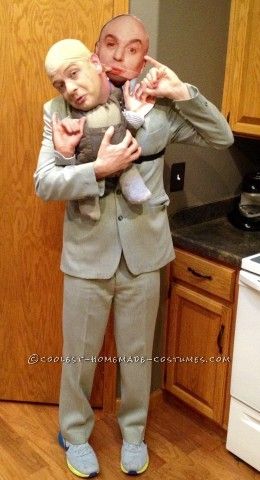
204,274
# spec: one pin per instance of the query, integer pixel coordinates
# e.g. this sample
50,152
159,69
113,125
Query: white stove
252,264
243,438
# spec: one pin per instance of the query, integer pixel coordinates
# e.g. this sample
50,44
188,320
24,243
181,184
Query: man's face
80,84
122,46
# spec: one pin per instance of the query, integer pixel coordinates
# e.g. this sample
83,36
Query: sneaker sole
134,472
79,474
71,468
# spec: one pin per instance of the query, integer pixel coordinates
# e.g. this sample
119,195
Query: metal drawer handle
197,274
219,339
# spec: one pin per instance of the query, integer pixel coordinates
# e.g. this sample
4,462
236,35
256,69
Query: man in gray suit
118,258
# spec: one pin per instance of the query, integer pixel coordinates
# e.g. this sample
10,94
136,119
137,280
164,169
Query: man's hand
161,81
111,159
66,134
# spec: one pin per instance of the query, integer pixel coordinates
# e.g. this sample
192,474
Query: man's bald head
64,52
77,74
122,44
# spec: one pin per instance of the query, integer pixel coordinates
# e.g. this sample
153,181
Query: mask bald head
122,45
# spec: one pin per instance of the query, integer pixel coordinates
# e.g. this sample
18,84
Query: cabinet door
241,99
31,230
197,350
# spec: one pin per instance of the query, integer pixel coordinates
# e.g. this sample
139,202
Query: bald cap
65,51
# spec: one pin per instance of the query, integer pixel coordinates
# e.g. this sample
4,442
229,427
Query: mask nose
119,54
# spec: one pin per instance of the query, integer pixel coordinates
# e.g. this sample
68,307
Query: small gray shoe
81,459
134,458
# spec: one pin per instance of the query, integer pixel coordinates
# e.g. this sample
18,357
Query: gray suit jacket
92,249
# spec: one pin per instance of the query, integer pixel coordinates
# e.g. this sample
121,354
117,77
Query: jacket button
120,217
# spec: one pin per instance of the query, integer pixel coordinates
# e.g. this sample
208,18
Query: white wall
190,36
148,12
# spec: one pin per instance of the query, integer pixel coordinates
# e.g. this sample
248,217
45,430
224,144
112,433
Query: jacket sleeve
54,182
198,122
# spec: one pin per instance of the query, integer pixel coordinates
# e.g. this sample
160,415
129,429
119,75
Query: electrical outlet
177,177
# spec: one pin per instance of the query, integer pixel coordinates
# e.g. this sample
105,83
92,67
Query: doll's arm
135,108
67,127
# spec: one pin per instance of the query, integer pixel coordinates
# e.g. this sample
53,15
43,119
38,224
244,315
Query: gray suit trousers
85,314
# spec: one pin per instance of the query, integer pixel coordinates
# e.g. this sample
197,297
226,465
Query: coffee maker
246,213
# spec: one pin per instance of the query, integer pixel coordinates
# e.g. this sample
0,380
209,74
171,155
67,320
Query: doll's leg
133,186
89,207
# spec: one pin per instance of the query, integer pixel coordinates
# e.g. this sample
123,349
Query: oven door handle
250,280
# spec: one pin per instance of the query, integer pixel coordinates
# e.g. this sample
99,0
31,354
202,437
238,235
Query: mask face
79,83
122,46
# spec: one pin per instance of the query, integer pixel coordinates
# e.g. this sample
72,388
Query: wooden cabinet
241,99
199,333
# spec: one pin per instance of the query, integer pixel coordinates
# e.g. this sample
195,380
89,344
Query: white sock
133,186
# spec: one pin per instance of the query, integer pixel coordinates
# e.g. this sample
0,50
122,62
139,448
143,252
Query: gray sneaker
134,458
81,459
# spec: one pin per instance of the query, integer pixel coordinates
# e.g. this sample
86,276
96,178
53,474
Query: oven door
245,379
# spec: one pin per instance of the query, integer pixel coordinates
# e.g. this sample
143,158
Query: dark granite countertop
205,230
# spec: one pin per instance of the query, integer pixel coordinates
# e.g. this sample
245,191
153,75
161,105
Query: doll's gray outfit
97,121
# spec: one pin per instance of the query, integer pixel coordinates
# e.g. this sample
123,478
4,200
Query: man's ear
96,62
96,47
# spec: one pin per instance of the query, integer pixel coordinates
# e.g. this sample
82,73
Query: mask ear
96,62
143,66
